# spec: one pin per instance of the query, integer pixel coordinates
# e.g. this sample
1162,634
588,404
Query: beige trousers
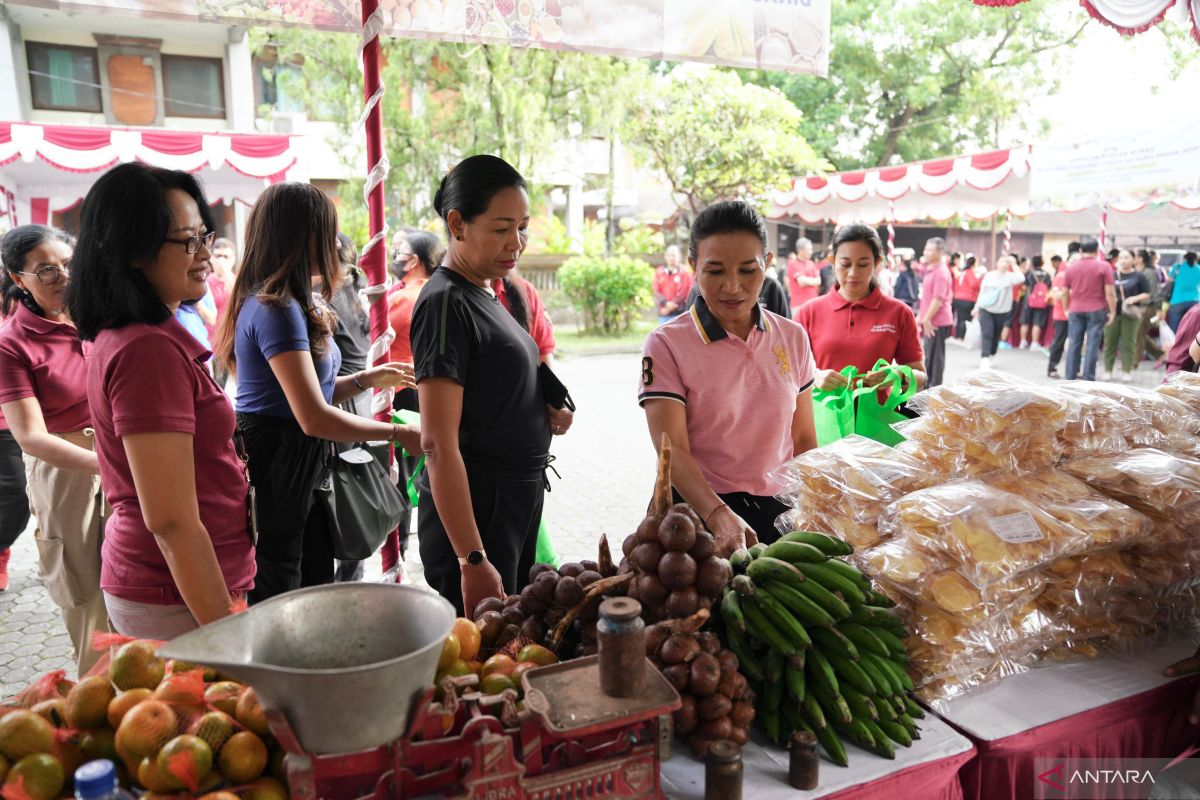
70,511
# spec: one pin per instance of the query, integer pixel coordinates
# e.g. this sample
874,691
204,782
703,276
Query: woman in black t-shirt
485,427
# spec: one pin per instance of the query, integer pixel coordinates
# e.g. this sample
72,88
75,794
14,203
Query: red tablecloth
1150,724
937,780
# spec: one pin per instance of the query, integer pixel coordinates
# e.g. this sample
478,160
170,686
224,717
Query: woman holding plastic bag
860,337
729,383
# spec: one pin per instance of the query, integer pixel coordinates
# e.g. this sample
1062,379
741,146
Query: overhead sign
1159,163
786,35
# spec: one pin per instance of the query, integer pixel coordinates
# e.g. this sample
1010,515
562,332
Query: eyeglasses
193,243
48,276
398,254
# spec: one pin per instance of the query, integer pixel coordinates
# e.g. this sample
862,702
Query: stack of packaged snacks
842,488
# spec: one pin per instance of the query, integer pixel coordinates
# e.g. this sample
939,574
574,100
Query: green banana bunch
824,645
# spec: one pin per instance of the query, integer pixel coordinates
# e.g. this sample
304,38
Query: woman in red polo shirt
43,393
857,324
730,383
177,550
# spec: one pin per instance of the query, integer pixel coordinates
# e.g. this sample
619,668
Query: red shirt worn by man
797,292
672,286
1059,314
1085,281
938,285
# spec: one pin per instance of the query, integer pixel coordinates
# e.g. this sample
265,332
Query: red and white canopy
49,168
1130,17
976,186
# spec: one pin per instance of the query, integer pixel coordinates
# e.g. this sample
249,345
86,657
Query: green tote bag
874,419
833,412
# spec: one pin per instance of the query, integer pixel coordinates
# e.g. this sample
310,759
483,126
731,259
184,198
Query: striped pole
1104,229
1007,232
891,229
374,254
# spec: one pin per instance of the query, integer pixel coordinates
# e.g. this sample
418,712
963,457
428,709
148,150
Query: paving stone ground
607,468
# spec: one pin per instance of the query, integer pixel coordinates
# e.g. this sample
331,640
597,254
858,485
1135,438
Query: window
279,86
63,78
194,87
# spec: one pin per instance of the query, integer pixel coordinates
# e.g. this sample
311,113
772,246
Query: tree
446,101
921,80
714,137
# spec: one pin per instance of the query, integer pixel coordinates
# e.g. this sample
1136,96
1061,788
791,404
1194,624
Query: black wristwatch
473,558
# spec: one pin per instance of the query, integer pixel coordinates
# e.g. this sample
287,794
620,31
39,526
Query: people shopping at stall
935,320
485,422
1090,298
177,549
730,384
1133,293
43,394
277,340
857,324
994,306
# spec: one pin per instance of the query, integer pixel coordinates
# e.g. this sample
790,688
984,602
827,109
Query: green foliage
638,239
608,292
553,239
923,80
715,138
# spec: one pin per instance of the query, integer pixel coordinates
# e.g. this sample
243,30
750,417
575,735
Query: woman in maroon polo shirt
857,324
43,395
177,550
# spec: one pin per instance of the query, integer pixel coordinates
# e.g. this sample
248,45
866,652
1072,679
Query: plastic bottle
97,780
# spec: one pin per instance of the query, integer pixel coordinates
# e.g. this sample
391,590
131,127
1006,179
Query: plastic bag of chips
1161,485
1107,522
1183,386
990,534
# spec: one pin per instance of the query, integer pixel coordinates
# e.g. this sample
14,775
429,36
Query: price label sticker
1016,528
1009,403
883,473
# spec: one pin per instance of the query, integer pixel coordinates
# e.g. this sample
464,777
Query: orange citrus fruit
468,637
23,733
450,652
36,777
119,706
250,714
243,758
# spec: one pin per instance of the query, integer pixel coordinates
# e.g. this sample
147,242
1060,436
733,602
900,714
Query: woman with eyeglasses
177,550
43,393
277,340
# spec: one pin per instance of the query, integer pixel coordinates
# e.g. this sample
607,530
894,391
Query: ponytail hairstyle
14,247
518,303
428,249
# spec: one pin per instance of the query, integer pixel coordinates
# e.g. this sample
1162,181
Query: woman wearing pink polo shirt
177,550
730,383
43,393
857,324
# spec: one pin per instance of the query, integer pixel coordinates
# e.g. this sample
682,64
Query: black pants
295,545
989,330
1061,328
935,355
14,503
962,315
507,508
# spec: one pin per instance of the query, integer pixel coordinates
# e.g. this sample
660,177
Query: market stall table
927,770
1120,706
